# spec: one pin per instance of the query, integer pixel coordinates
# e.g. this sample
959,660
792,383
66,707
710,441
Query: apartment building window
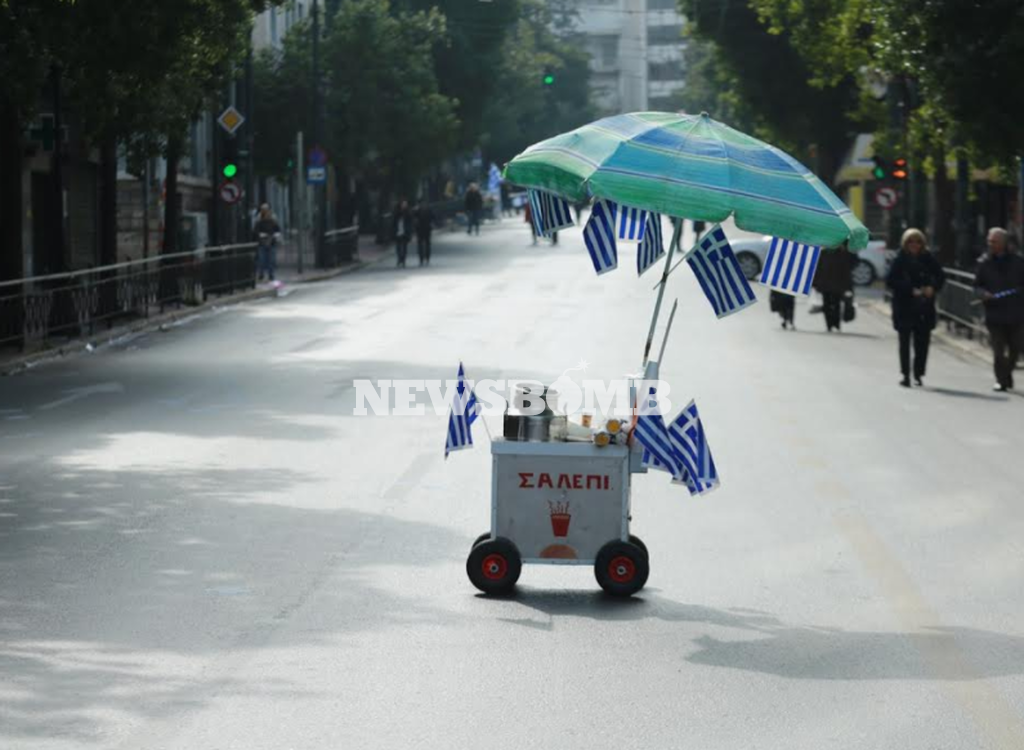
670,70
662,5
670,34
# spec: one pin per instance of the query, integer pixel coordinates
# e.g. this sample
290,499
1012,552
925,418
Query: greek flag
651,432
461,416
714,264
550,213
690,445
651,247
790,266
599,236
632,223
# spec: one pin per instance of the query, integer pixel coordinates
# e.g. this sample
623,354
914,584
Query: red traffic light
899,169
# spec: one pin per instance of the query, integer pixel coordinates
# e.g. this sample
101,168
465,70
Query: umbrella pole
676,232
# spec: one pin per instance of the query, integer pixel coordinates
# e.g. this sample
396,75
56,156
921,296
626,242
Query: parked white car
873,261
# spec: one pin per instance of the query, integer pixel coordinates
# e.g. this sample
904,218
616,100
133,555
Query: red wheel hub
494,567
621,569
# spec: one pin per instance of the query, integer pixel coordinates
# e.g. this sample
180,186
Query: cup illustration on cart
560,518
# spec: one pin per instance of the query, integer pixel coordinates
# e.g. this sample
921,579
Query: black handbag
849,311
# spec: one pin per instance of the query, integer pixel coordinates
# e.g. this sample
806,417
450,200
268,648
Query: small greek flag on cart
651,247
632,223
599,236
690,444
650,431
790,266
461,416
714,264
550,213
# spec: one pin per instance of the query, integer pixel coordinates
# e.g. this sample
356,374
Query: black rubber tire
863,274
485,535
640,543
494,566
749,264
621,568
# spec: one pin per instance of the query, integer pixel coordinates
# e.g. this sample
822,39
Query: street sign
316,175
230,193
886,197
231,120
317,157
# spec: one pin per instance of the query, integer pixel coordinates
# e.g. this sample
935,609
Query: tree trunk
175,145
945,232
108,201
11,250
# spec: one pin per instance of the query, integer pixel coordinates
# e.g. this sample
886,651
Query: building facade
636,52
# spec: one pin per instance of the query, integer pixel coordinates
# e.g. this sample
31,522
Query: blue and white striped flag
690,445
650,431
550,213
632,223
651,247
461,416
790,266
599,236
714,264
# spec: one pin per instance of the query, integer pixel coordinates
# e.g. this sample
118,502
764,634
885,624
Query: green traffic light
879,173
230,170
549,79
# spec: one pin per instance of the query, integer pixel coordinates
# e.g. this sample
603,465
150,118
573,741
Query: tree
523,109
385,109
766,81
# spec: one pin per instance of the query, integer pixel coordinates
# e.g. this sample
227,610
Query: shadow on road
965,394
804,652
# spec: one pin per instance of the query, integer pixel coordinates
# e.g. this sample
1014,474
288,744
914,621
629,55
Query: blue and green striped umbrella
691,167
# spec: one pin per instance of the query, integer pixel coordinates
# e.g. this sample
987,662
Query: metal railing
340,246
957,304
67,305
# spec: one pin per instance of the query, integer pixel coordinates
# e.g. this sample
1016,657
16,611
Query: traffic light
880,171
900,169
549,78
229,158
230,170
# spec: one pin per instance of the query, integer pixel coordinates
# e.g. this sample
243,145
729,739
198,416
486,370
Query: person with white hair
914,278
999,282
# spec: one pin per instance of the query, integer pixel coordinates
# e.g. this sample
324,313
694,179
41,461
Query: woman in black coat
915,278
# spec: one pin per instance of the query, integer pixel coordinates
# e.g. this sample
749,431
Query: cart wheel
640,543
485,535
621,568
494,565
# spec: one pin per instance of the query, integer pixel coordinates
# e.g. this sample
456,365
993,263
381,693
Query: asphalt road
201,546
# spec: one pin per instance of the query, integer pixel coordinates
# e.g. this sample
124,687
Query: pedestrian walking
698,229
915,278
505,194
402,227
834,279
474,203
999,283
528,215
424,228
266,233
783,304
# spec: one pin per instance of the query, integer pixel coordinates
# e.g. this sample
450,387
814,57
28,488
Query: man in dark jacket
266,232
474,207
424,228
834,279
999,282
915,278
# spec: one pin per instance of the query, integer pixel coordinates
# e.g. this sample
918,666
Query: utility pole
55,256
246,154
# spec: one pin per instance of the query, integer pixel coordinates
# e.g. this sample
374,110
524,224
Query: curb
85,344
973,351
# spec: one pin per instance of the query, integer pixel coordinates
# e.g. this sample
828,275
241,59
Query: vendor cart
556,501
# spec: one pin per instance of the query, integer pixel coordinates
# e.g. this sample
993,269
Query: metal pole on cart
676,235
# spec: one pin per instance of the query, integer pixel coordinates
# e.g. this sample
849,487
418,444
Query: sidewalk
12,362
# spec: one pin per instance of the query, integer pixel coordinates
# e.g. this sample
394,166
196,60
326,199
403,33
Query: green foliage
524,109
961,56
765,84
